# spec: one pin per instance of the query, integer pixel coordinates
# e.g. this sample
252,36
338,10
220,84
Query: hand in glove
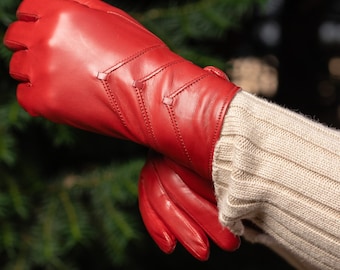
101,71
108,74
176,204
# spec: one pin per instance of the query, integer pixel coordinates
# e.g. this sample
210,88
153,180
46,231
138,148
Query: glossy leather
101,71
178,205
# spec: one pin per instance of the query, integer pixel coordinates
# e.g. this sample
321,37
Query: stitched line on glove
145,115
133,57
168,101
139,86
187,85
158,70
113,101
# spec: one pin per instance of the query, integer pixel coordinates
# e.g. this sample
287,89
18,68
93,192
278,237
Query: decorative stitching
113,101
189,84
160,69
172,114
110,94
145,115
178,133
133,57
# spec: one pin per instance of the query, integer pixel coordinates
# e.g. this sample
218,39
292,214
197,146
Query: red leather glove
176,204
84,72
103,72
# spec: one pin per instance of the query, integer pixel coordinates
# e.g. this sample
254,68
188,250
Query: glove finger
197,184
20,66
165,240
18,35
187,232
31,10
26,97
201,210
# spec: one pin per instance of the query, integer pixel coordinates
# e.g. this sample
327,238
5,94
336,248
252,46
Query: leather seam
133,57
145,115
160,69
113,102
178,132
187,85
173,118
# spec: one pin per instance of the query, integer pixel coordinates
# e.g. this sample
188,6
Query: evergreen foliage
197,30
63,195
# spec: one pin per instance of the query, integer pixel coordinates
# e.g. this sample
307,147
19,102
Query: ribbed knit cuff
281,171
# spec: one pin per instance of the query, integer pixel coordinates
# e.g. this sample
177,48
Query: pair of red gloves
87,64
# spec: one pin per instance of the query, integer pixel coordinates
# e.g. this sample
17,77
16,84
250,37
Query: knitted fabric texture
277,181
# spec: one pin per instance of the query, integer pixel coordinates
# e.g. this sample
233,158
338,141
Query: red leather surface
173,210
102,71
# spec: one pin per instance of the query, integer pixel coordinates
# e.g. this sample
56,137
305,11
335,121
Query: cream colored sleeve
277,181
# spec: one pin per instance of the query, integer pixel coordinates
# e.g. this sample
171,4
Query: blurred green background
68,198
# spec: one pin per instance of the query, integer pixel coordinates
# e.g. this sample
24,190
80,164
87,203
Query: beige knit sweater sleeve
277,181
